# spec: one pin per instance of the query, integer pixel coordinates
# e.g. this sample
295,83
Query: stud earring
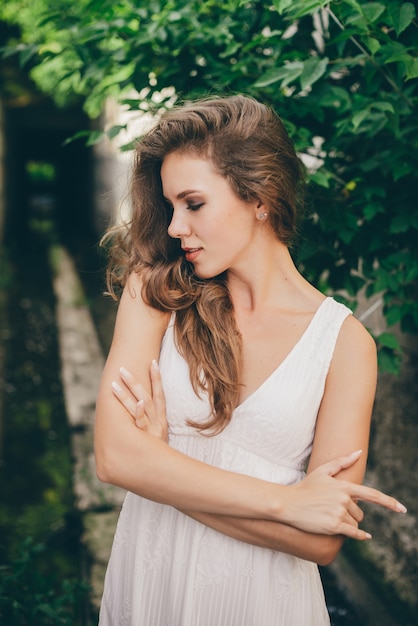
261,216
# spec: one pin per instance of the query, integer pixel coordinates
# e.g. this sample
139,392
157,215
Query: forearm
321,549
147,466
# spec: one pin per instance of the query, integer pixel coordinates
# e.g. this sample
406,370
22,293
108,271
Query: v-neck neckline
286,358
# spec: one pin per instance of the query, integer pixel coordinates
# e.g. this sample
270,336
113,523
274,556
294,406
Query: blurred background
78,84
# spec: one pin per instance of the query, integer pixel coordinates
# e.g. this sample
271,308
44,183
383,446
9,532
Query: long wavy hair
248,145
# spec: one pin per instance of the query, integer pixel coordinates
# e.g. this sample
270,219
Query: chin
207,274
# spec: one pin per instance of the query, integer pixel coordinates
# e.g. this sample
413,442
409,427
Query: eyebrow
183,194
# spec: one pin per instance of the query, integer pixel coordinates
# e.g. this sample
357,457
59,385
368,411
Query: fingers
157,390
147,410
124,398
135,387
369,494
336,465
360,492
354,532
355,512
140,418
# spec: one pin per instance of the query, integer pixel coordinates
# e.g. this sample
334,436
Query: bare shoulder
139,327
133,304
355,359
355,339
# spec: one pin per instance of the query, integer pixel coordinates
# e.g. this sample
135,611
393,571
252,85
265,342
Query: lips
191,253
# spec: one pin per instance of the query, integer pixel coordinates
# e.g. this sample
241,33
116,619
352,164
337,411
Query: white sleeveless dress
169,570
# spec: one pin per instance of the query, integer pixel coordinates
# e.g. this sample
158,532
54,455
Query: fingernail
124,372
368,536
140,423
401,508
155,365
117,388
140,404
356,453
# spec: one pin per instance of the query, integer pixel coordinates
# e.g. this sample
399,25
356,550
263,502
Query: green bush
29,596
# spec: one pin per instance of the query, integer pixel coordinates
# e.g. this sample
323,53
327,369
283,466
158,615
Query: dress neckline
288,356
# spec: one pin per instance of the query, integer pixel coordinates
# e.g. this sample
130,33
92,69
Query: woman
260,379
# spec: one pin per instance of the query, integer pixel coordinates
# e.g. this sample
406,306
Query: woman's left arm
343,425
344,417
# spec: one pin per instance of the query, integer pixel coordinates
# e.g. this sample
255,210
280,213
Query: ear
261,212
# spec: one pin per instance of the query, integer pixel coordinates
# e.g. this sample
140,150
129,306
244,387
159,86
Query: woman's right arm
147,466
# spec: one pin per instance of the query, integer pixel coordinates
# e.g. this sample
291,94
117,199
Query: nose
179,226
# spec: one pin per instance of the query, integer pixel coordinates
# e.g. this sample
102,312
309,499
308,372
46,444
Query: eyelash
194,207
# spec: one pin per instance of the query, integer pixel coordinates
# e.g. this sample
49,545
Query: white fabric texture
169,570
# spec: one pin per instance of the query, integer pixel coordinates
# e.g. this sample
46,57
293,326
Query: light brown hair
248,145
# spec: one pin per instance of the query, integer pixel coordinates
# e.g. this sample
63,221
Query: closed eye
194,207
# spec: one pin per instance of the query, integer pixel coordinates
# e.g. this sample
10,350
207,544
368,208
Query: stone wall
393,467
385,569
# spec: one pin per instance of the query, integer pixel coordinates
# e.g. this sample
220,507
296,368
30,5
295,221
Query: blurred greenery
342,75
30,596
41,555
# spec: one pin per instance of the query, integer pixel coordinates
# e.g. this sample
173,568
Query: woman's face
215,227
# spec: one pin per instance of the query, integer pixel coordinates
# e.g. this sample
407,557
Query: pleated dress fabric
169,570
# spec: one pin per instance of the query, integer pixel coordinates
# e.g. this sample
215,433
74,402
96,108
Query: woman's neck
271,281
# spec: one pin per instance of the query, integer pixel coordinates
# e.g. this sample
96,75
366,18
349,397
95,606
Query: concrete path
81,366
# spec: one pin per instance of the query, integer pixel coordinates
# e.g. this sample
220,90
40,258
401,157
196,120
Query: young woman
237,449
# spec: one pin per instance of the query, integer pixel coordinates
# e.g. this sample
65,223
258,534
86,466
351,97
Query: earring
261,216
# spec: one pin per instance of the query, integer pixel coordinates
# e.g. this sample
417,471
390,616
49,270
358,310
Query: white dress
169,570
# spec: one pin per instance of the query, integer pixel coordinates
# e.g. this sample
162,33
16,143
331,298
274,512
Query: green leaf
389,340
298,8
359,117
26,54
282,5
313,69
388,361
372,11
92,137
115,130
321,177
129,146
383,106
411,68
363,114
373,44
372,209
394,315
402,15
307,7
355,5
395,52
287,73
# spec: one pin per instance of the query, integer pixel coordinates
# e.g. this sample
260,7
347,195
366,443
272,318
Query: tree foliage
341,74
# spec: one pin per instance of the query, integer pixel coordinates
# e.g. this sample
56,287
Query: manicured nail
140,405
155,365
401,508
116,388
356,453
124,372
368,536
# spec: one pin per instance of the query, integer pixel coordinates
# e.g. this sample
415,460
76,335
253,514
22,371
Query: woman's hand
323,504
148,411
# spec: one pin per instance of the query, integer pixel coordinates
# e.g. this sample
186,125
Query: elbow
102,471
328,550
105,467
